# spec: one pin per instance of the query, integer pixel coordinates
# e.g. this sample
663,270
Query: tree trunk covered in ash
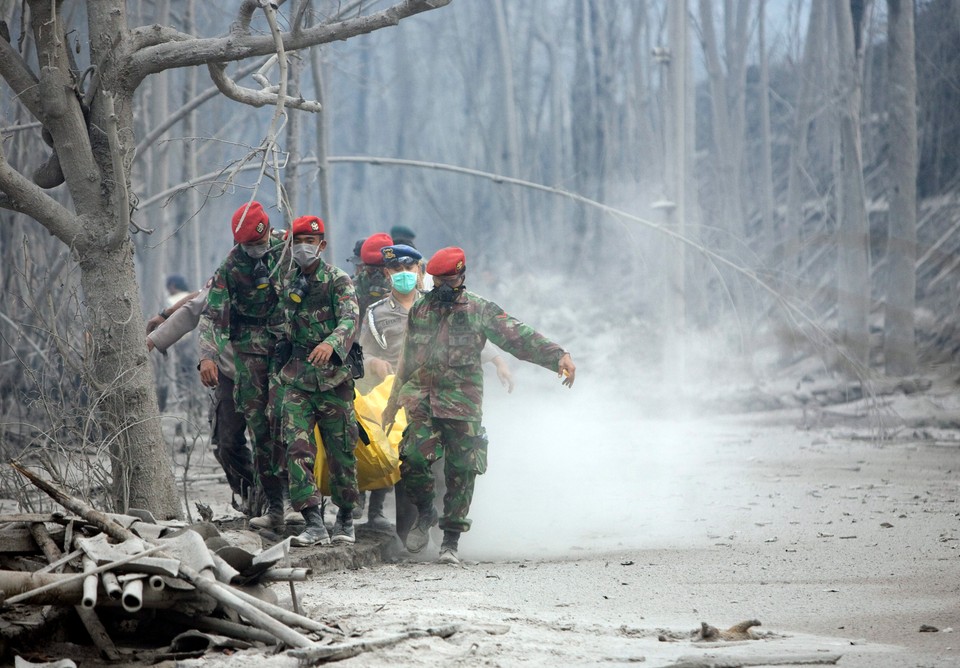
727,79
94,151
899,347
509,163
853,235
766,161
798,177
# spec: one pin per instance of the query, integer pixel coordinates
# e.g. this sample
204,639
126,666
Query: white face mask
256,251
305,254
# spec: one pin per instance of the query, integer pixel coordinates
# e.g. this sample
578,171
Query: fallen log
17,539
346,650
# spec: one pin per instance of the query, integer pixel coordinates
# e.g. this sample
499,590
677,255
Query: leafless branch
176,117
237,46
147,36
297,24
62,115
271,150
15,71
254,98
24,196
241,25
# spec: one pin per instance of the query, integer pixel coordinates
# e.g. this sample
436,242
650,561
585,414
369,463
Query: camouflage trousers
332,411
252,396
228,435
463,444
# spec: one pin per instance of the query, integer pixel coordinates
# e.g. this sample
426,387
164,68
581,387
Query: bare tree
853,235
899,347
87,119
805,112
727,80
766,160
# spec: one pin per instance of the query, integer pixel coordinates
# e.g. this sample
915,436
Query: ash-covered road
598,527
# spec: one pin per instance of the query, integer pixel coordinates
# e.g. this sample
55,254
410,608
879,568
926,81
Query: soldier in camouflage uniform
227,426
440,384
371,284
318,327
381,336
242,307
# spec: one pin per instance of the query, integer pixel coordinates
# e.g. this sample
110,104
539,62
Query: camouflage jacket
328,313
372,286
241,313
440,362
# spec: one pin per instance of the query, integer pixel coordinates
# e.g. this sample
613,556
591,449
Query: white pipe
132,598
111,585
90,583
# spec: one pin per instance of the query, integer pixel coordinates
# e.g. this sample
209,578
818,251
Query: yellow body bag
378,462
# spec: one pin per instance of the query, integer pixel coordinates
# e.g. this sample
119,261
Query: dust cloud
617,462
587,470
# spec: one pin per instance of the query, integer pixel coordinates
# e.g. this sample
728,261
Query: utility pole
673,203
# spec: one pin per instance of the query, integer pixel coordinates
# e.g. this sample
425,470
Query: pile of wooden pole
96,562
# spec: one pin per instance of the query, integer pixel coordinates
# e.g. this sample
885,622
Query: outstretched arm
165,313
525,343
568,370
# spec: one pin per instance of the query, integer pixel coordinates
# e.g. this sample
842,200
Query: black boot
375,518
419,535
343,527
406,511
315,532
290,516
358,508
273,518
448,548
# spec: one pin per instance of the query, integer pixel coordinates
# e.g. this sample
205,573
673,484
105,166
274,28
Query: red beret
249,223
307,225
447,262
370,250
